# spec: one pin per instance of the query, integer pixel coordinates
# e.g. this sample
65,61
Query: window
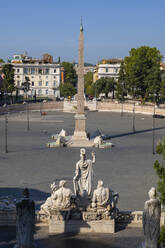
18,83
46,92
25,70
47,71
54,83
115,70
54,77
54,70
106,69
39,92
46,77
40,71
32,83
17,70
40,83
18,76
32,70
47,83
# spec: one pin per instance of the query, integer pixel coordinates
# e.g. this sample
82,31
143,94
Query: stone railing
124,218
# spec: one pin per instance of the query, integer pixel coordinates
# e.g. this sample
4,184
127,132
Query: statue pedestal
80,226
79,138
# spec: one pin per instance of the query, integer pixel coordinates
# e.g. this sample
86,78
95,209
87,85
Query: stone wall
128,107
71,106
34,106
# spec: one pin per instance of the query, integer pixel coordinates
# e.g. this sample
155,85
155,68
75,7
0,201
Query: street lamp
133,110
6,132
27,111
6,125
153,129
122,99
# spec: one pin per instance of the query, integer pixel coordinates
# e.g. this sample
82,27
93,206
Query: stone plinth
80,133
80,226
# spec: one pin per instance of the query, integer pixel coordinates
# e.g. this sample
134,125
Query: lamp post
6,125
133,110
27,111
6,132
122,99
153,129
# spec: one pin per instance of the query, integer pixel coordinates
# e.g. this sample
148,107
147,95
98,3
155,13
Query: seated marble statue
62,196
105,198
151,220
49,202
100,196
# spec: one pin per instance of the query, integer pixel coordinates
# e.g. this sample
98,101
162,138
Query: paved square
127,168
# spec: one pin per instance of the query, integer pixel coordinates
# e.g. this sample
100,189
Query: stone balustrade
124,218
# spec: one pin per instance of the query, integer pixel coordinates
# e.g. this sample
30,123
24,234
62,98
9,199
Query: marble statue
105,199
98,141
82,180
45,208
25,222
62,196
151,220
100,196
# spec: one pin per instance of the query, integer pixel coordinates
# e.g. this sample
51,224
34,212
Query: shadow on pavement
136,132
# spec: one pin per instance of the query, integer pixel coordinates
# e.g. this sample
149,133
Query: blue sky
111,28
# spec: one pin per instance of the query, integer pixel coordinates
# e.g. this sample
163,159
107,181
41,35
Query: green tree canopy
70,75
105,85
160,170
2,61
89,86
142,71
8,83
67,89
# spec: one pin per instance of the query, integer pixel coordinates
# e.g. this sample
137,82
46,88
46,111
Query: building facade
44,77
109,68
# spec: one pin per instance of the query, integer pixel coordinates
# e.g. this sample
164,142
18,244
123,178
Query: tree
88,82
105,85
160,170
90,90
70,75
162,89
26,85
120,86
8,81
67,89
2,61
142,72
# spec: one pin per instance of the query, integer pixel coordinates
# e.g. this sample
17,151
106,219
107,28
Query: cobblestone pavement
127,168
128,238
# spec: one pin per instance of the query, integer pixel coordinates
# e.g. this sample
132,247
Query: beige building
109,68
44,77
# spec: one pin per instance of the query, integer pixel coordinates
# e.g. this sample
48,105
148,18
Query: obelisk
80,119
